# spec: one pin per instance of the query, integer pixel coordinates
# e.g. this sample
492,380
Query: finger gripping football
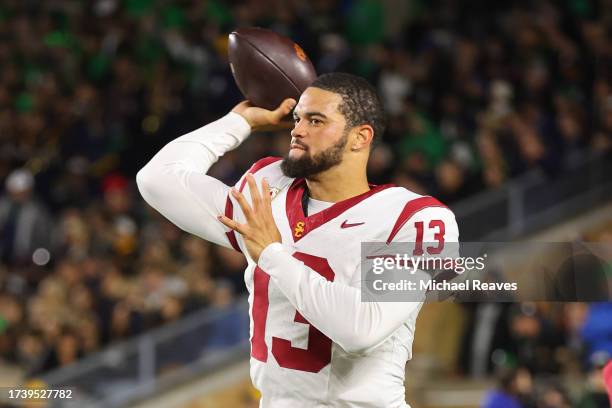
268,67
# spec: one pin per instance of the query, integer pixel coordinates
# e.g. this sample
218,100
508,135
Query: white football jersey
313,342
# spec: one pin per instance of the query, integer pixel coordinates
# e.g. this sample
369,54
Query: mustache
297,142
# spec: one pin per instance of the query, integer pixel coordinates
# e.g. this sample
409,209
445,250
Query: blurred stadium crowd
529,345
477,93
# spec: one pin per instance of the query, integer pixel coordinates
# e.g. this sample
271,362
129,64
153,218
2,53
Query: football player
300,221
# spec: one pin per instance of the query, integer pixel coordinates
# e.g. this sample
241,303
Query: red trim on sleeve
258,165
231,235
412,207
229,206
259,311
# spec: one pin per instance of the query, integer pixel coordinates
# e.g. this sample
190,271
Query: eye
315,122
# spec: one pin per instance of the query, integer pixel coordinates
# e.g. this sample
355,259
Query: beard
308,165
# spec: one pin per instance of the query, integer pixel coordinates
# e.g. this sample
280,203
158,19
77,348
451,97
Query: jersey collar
301,224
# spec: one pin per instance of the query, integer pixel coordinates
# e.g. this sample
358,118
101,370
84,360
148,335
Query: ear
362,139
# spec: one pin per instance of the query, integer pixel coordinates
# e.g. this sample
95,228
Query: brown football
268,67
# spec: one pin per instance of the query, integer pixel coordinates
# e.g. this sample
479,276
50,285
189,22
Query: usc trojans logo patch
298,231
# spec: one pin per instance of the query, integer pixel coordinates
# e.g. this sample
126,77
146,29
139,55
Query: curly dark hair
360,103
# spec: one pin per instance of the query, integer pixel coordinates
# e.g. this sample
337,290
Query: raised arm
175,183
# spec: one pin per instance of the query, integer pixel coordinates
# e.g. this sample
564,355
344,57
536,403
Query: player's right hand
261,119
260,228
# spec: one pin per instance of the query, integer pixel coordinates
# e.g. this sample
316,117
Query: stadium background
484,99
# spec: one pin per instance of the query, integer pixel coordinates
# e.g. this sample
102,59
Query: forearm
334,308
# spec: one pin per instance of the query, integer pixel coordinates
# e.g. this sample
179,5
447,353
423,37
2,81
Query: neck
339,183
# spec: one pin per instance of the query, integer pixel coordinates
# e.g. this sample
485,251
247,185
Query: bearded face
308,165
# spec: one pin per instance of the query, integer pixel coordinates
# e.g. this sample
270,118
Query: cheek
324,139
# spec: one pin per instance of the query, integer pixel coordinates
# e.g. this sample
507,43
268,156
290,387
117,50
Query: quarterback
300,221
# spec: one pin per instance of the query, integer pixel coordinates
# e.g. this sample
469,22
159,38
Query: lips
297,146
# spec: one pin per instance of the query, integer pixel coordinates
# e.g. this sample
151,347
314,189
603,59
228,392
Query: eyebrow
311,114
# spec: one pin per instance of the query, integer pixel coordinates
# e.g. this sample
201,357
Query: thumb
284,108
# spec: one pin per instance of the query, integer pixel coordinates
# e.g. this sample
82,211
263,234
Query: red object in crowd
114,182
607,375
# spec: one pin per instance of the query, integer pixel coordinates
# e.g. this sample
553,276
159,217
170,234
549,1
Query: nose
299,129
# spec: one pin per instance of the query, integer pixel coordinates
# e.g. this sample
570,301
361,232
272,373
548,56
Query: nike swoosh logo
346,224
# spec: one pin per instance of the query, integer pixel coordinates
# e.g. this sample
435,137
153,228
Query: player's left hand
260,230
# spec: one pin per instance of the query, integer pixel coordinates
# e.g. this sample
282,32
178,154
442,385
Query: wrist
240,117
268,252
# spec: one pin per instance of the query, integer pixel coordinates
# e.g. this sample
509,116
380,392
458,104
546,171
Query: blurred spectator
553,396
594,394
31,351
230,267
514,390
24,221
535,338
228,330
597,330
486,338
65,350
